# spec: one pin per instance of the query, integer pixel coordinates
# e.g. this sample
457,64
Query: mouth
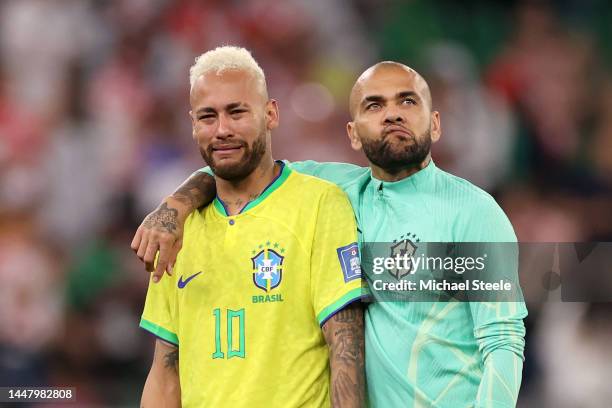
221,153
398,130
224,149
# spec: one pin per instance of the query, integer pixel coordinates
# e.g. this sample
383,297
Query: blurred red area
94,131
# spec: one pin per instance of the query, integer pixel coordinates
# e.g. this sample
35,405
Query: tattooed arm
345,337
162,388
163,228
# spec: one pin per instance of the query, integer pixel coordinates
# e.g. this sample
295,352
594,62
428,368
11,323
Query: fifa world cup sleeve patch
349,261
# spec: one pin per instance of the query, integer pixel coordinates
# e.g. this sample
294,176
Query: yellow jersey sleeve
159,315
335,266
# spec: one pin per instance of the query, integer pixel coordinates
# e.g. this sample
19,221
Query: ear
436,129
272,114
352,135
193,123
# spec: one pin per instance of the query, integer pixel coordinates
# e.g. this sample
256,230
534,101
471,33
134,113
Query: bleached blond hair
224,58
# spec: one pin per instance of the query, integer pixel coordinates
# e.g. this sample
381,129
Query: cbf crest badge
268,268
403,246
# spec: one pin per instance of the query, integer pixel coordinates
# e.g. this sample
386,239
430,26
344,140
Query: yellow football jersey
250,292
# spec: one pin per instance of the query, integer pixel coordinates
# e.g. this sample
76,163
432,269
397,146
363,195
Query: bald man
426,354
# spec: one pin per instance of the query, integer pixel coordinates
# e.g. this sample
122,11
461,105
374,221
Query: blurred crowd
94,130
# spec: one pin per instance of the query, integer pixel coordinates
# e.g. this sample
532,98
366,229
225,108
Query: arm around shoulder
162,229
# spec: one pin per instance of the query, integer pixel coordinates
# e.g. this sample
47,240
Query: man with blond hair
418,353
262,308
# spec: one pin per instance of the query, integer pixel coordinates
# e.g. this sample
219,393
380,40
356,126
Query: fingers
167,245
162,262
149,256
147,249
152,236
173,254
142,247
136,240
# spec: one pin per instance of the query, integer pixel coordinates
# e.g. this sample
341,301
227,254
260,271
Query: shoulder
458,190
314,187
316,196
478,215
197,219
312,166
342,174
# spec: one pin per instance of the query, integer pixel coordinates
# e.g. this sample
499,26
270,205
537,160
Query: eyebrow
380,98
372,98
235,105
228,107
405,94
205,110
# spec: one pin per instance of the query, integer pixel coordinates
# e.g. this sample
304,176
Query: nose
223,130
392,116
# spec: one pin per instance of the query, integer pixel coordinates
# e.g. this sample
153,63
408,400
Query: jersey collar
420,178
274,184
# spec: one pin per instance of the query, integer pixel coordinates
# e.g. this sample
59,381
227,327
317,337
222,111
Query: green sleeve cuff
159,331
332,309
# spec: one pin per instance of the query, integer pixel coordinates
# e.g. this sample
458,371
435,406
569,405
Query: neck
237,193
399,174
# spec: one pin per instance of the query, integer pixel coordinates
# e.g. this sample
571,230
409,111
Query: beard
250,160
383,154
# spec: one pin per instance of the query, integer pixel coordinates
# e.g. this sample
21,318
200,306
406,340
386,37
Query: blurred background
94,131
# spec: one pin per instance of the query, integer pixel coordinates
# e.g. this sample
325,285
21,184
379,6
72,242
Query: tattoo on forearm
163,219
171,360
345,336
347,349
343,389
196,191
347,315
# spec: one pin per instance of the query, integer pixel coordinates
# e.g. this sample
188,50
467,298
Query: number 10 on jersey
233,318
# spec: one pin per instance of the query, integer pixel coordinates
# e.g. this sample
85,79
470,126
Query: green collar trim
273,186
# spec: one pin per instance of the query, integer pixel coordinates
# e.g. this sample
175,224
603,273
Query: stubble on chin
251,157
397,156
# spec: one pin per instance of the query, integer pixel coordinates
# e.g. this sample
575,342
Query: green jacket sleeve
498,325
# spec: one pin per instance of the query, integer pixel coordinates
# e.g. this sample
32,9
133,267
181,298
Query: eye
206,116
372,106
237,112
409,101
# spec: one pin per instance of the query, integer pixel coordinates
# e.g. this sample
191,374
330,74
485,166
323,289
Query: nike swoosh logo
182,283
